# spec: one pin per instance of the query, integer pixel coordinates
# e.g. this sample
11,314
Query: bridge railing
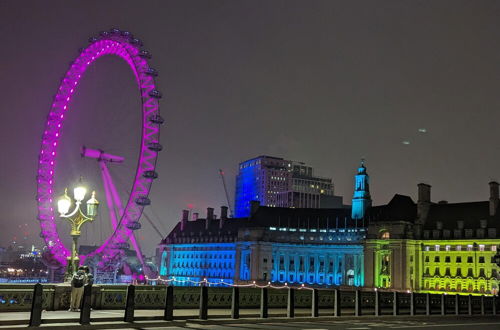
330,302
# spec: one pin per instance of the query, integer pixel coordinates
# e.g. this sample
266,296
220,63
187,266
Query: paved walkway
13,318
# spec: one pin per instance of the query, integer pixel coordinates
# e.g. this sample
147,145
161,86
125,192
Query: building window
481,260
493,248
436,247
459,259
436,259
481,247
426,258
385,235
447,259
448,248
469,260
427,248
458,248
469,247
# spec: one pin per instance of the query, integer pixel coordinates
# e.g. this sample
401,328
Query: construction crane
221,172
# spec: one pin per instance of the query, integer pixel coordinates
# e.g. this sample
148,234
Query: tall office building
277,182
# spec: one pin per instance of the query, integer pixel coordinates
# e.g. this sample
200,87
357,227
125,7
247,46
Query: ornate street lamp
76,218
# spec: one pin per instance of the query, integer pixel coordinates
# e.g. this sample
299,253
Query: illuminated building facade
312,246
277,182
434,247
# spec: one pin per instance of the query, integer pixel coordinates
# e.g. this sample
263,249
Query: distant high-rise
361,199
277,182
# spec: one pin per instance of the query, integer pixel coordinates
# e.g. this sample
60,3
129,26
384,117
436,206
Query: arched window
384,234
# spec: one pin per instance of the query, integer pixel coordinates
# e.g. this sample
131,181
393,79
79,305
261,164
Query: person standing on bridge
77,283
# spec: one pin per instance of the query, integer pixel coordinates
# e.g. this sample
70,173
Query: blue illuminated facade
281,245
214,262
361,200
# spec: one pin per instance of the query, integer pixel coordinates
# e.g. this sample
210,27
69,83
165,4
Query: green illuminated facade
434,247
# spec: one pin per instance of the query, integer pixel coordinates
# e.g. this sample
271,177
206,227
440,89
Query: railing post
494,305
427,304
168,314
357,304
469,304
377,303
36,306
130,304
86,305
203,302
413,307
338,303
457,304
443,306
315,303
290,307
235,303
395,306
263,303
482,304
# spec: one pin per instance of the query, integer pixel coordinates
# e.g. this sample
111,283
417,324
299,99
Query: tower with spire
361,199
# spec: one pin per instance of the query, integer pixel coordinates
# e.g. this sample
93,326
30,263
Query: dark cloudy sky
324,82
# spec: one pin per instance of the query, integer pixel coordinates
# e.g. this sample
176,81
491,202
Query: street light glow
63,204
79,193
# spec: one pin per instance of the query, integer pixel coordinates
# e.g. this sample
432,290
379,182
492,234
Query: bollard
290,307
357,304
413,308
482,305
263,303
469,304
36,306
338,303
427,304
314,303
443,306
235,303
395,306
457,304
130,304
86,305
494,305
168,314
203,302
377,303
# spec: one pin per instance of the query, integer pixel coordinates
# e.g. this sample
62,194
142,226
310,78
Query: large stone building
433,247
313,246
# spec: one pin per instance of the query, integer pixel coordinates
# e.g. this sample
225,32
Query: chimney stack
494,197
184,220
223,216
195,216
210,216
423,203
254,206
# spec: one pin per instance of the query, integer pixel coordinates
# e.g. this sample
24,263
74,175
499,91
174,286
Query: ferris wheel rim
123,45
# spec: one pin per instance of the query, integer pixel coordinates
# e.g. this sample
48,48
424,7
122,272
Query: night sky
324,82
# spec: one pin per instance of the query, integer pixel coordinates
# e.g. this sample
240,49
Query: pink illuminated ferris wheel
126,220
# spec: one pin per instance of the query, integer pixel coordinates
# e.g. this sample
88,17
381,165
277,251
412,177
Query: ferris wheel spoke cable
125,46
151,222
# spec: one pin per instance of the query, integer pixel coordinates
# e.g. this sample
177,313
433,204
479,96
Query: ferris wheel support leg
109,196
118,203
